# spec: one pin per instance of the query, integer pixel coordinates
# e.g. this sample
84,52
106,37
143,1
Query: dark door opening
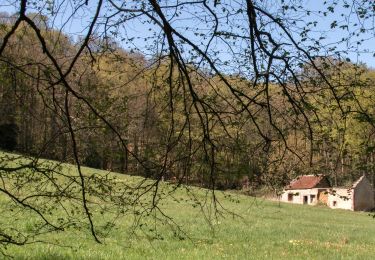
305,199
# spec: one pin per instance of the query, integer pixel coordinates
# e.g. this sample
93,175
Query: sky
139,31
366,50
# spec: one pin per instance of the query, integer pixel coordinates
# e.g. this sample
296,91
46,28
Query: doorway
305,199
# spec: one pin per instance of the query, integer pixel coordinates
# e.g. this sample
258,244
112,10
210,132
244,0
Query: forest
148,107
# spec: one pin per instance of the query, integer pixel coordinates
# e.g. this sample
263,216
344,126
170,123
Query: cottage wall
363,196
301,196
341,198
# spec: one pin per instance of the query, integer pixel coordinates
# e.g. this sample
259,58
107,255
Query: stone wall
340,198
363,196
303,196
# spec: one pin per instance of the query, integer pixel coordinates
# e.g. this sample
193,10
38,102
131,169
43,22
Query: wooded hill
155,128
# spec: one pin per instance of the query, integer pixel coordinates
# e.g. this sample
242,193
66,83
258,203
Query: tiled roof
305,182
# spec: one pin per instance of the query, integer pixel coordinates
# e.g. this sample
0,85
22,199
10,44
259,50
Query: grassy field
265,230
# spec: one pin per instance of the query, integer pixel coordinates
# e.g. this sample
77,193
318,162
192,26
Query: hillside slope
262,229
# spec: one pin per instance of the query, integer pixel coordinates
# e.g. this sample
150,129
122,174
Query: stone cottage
306,189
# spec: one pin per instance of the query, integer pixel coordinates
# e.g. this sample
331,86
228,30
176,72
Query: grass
266,230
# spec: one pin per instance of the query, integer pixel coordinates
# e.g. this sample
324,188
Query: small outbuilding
307,189
358,197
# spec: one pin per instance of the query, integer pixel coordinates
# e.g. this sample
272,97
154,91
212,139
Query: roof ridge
315,175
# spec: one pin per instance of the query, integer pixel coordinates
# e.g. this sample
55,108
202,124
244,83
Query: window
312,198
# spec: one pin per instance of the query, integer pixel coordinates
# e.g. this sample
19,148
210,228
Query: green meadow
259,229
